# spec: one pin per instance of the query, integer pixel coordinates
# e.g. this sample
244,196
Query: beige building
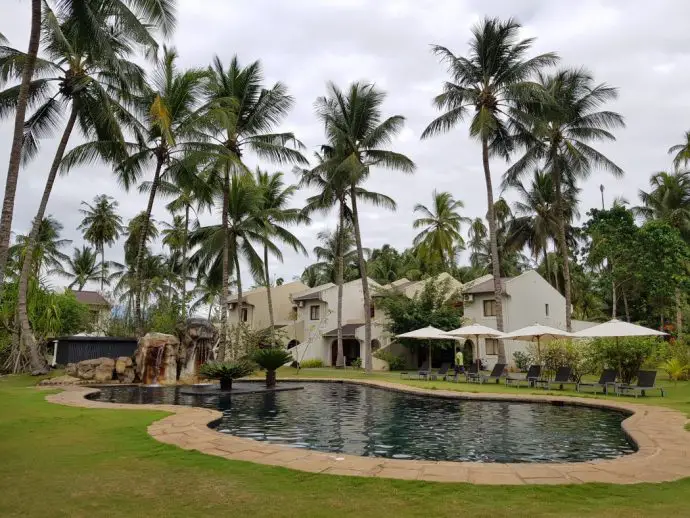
99,310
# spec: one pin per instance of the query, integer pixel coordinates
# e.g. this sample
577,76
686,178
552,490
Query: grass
64,461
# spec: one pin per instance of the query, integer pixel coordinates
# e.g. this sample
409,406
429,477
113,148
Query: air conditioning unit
468,297
232,306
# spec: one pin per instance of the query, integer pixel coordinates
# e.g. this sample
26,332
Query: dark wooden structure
73,349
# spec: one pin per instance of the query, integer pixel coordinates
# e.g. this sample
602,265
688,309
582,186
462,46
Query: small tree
271,359
225,372
624,354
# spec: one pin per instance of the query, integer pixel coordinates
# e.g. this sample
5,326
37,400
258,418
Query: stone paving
663,444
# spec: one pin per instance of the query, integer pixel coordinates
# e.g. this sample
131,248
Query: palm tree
47,253
336,247
477,236
681,151
18,135
81,268
535,224
241,115
88,86
101,226
358,134
440,237
669,200
274,216
561,131
490,83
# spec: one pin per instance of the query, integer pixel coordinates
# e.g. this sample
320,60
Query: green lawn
63,461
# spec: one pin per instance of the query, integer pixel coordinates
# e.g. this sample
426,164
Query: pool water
372,422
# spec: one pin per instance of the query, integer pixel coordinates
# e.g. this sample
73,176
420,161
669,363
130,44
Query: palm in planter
225,372
271,359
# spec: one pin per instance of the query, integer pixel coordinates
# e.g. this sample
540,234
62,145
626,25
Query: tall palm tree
681,152
336,247
359,134
561,130
87,86
241,115
669,200
275,216
477,235
535,224
47,253
18,134
490,83
440,236
81,268
101,226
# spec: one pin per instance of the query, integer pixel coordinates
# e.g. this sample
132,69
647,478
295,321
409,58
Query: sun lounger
441,373
607,378
472,373
423,372
563,377
530,378
495,374
645,383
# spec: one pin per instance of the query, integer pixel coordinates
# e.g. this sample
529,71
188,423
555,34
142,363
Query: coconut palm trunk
225,294
185,239
614,299
236,345
102,266
38,362
271,321
365,280
562,243
679,313
493,240
142,245
18,137
340,357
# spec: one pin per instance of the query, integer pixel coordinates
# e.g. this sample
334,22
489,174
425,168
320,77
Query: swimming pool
373,422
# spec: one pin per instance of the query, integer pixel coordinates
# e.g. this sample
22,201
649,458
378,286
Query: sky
641,47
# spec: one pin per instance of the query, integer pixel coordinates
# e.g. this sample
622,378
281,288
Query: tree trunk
493,239
270,378
225,293
38,362
679,314
18,137
614,298
268,298
102,266
562,244
239,303
365,281
625,305
142,246
184,261
340,357
547,265
210,310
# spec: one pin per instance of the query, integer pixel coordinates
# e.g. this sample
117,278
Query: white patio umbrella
475,331
426,333
537,333
616,329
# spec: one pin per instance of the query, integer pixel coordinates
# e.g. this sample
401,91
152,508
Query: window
372,310
490,308
491,346
314,313
546,309
244,314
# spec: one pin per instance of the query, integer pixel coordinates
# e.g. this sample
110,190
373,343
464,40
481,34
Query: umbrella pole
538,350
429,356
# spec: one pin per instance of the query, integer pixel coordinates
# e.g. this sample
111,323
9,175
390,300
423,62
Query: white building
527,299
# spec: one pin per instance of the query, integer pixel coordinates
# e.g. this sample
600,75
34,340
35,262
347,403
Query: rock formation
198,336
156,359
98,370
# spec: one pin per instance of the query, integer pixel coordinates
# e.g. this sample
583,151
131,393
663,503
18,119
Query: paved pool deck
663,443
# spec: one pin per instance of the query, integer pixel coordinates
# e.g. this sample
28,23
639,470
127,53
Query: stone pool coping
663,444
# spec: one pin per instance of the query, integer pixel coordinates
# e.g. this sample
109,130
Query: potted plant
271,359
225,372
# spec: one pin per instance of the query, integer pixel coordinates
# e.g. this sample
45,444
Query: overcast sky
641,47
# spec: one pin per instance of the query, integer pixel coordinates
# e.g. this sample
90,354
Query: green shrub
357,363
676,369
225,372
395,363
577,354
627,355
313,363
522,360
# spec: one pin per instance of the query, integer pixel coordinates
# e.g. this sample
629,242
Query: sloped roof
91,298
348,331
487,286
288,286
312,293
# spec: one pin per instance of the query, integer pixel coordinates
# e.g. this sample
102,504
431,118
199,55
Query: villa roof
312,293
348,331
91,298
262,289
487,286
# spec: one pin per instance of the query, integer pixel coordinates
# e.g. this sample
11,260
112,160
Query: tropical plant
681,152
668,200
47,253
241,115
226,372
101,226
491,83
274,216
271,359
676,369
440,239
312,363
81,268
328,254
359,134
395,363
562,128
626,355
